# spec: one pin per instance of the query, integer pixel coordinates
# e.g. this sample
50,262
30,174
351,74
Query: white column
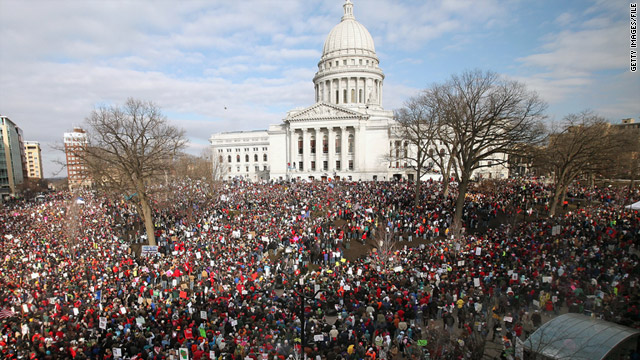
344,150
318,157
306,150
359,153
356,148
293,149
331,139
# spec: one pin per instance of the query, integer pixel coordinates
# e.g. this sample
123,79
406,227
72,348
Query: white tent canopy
634,206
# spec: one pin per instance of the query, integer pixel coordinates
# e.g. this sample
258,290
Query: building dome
349,37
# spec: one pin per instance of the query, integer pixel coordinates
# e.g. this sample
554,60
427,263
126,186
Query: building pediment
324,111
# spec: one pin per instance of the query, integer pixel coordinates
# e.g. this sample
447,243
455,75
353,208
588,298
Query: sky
215,65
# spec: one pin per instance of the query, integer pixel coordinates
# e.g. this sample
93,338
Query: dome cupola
348,72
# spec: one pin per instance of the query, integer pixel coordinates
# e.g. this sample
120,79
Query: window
360,95
264,149
300,145
246,168
350,164
257,168
337,97
300,165
255,157
338,144
313,166
238,169
229,158
350,144
325,144
264,157
360,61
220,159
353,61
264,168
344,62
337,164
238,159
344,96
237,149
325,165
246,158
313,145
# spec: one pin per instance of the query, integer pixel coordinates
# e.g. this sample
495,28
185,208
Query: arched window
360,95
238,159
350,144
325,144
300,145
337,97
255,157
264,157
313,144
353,96
344,96
229,158
338,144
246,158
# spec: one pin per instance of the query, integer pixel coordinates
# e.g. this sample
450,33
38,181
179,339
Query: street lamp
330,319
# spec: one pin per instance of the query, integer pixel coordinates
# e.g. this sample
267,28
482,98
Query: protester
73,283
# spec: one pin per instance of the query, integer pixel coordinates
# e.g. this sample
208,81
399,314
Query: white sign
103,323
117,352
203,315
148,250
478,251
318,338
476,282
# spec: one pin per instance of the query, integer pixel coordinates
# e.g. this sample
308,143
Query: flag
6,313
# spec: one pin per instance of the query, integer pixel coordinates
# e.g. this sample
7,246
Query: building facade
345,134
74,144
241,154
12,159
33,155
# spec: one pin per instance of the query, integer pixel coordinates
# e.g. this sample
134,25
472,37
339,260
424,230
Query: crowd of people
332,270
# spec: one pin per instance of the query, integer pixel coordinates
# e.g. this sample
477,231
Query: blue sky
257,58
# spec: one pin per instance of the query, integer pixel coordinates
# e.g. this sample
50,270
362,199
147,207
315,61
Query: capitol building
346,134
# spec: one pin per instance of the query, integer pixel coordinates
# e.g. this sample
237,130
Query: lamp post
303,297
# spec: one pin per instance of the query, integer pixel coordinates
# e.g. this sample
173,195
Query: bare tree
416,127
128,148
484,117
583,144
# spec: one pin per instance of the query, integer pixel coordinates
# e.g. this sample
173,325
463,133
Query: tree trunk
445,178
462,191
148,218
560,189
418,185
